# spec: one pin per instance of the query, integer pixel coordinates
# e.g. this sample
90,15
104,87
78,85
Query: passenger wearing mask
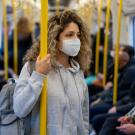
126,77
67,94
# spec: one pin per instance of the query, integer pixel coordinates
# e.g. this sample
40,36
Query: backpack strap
27,124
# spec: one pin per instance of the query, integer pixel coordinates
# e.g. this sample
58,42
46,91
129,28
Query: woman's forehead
72,27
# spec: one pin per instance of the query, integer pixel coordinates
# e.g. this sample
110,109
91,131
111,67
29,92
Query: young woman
68,56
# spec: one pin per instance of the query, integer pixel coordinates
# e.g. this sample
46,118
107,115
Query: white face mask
71,47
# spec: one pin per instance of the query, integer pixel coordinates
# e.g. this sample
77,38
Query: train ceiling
62,2
128,5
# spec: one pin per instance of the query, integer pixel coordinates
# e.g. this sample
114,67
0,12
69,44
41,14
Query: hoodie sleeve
85,111
27,91
85,107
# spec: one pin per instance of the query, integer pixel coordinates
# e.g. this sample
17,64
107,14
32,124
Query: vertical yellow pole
78,2
43,52
15,39
5,39
116,55
57,7
26,8
106,40
98,38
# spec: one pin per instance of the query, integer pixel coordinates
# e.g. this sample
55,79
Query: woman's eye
69,35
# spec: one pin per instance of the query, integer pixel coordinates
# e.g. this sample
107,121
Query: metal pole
15,39
43,52
98,38
116,55
106,41
78,2
5,39
57,7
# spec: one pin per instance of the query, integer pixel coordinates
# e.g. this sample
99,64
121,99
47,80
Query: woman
69,54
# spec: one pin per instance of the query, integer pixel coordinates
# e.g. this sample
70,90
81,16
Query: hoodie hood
75,67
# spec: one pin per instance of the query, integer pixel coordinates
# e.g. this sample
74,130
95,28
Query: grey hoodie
68,104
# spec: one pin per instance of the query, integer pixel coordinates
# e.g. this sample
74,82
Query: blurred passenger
124,125
37,29
124,105
8,31
24,42
69,55
2,70
126,77
101,51
97,85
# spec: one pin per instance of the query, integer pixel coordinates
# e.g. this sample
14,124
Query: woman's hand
127,129
43,66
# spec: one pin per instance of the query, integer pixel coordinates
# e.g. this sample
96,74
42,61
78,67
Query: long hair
56,26
23,27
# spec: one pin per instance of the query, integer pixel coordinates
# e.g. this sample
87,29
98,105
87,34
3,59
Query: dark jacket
125,79
128,102
23,45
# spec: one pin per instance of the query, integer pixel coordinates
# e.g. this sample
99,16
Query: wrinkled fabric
68,104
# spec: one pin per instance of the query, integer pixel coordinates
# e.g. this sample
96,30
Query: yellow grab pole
98,38
43,52
5,39
116,54
106,41
57,7
78,2
26,9
15,39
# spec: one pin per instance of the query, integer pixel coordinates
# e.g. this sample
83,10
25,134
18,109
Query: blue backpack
10,124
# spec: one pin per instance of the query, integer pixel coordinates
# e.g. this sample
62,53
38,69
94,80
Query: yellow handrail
116,55
57,7
5,39
26,9
106,41
98,38
15,39
43,52
78,2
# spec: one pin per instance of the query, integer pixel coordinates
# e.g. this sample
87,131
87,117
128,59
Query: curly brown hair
56,25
